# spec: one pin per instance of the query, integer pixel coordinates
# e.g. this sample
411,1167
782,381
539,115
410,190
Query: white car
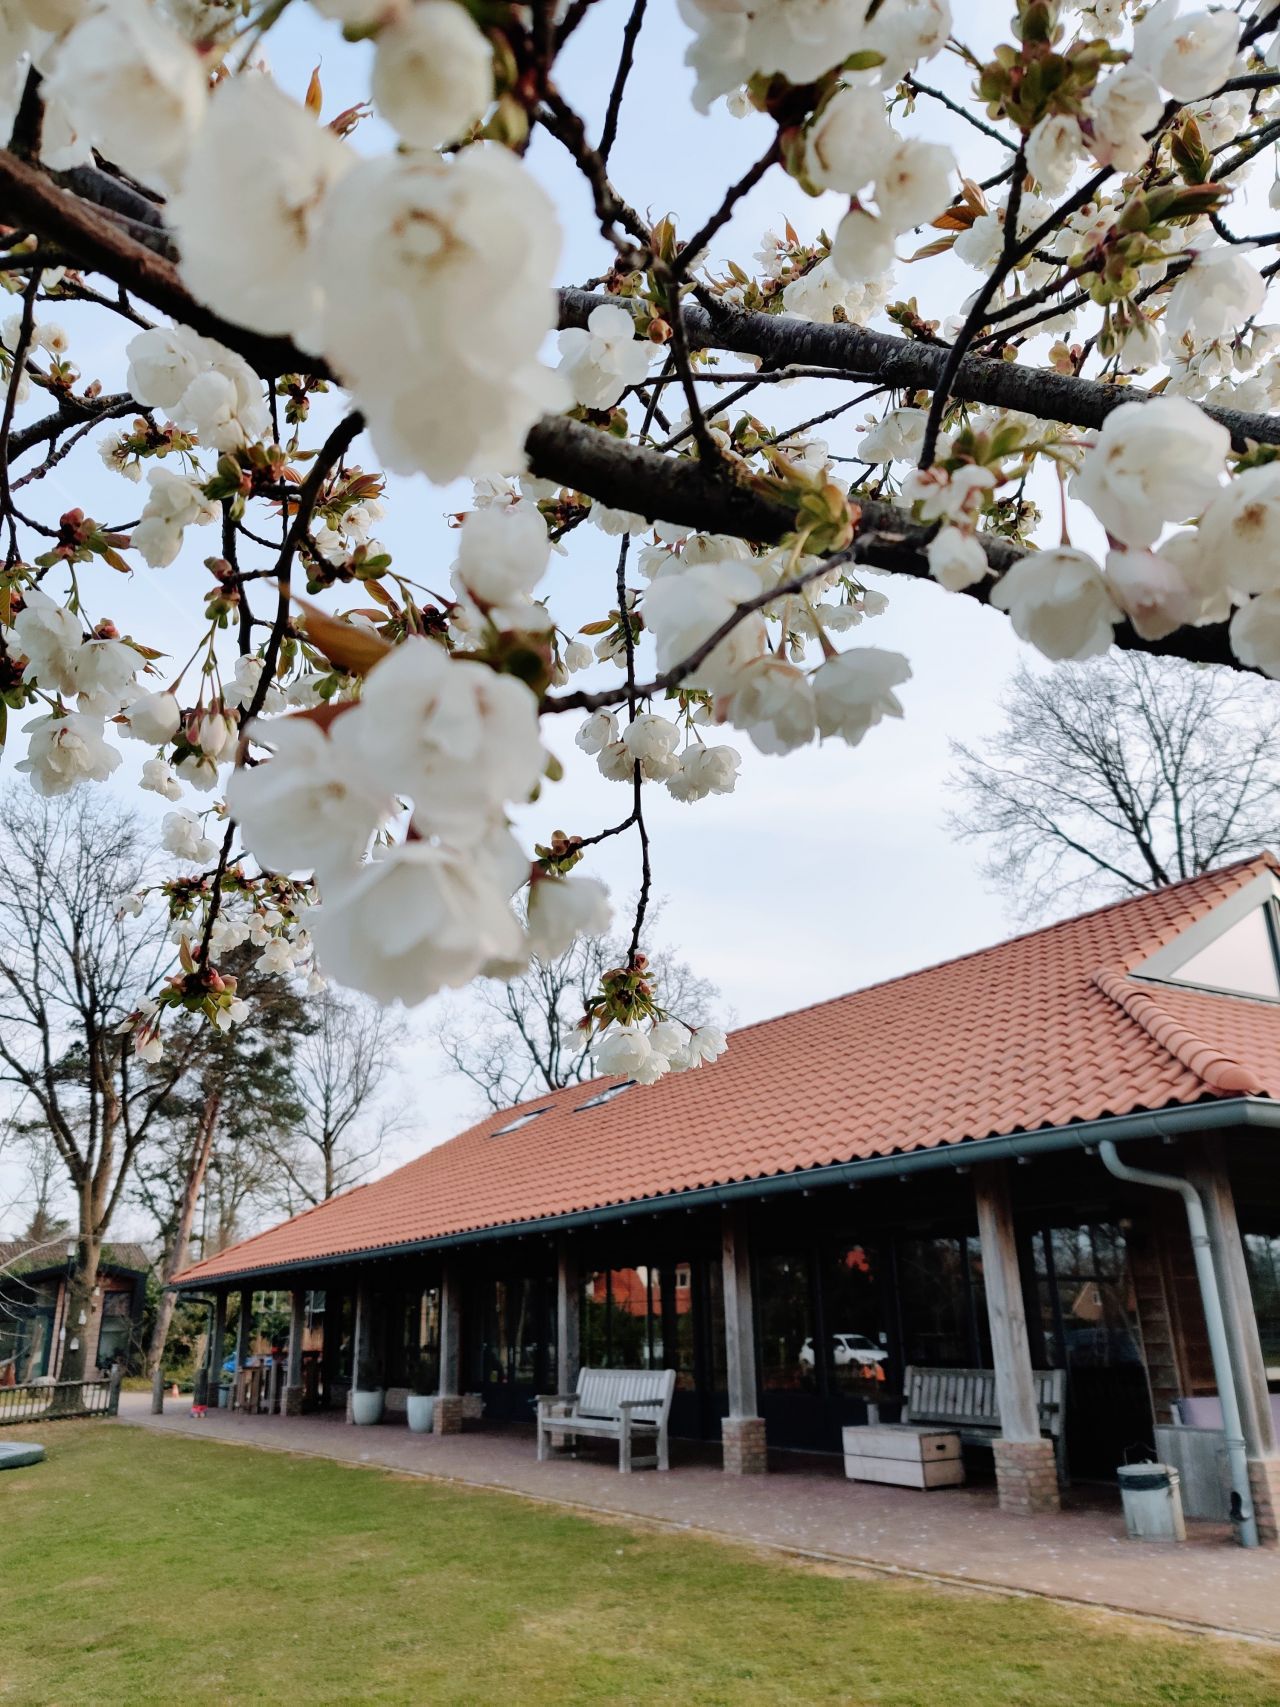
846,1349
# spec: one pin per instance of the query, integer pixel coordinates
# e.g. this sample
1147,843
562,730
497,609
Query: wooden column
217,1333
361,1330
333,1307
1211,1179
568,1318
448,1410
742,1431
1026,1472
244,1343
291,1403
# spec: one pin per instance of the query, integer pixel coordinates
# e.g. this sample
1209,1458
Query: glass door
1089,1322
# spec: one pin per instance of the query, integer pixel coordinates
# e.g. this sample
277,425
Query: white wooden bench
630,1406
965,1400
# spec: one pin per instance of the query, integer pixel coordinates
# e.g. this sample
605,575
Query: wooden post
568,1318
244,1343
217,1334
291,1403
1026,1471
333,1307
448,1408
1211,1179
361,1329
742,1431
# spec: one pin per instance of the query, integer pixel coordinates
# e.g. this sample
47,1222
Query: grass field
136,1568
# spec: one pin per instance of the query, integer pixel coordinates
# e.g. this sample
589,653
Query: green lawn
139,1568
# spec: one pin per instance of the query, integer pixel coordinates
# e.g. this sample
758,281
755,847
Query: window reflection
944,1311
1262,1256
787,1352
856,1350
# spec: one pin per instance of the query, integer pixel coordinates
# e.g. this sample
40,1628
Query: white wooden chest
904,1455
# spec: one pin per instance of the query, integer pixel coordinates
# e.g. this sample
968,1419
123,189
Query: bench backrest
601,1391
968,1397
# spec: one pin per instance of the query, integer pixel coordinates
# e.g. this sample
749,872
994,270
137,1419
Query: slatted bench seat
630,1406
965,1400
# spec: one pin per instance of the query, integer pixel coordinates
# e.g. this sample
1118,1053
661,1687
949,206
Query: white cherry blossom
1152,463
1188,53
432,73
137,88
854,690
67,749
250,204
1060,602
562,909
603,358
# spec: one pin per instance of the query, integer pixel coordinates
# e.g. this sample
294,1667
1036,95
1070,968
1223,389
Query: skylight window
602,1097
519,1121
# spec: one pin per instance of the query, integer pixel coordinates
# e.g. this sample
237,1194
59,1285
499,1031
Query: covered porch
792,1309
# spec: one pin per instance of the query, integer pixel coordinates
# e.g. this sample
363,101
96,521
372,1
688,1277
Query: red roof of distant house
1039,1031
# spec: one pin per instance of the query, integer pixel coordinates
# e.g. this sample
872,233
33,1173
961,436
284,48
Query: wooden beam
1011,1350
297,1329
568,1317
450,1328
739,1312
1212,1180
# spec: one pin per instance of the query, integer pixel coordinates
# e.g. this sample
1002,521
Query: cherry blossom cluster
294,315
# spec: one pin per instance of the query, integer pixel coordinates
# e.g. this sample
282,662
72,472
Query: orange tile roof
1038,1031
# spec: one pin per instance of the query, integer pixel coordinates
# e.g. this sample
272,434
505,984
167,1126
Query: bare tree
72,967
1119,775
516,1038
339,1074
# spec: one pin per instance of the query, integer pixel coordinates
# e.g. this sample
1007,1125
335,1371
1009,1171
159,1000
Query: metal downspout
1243,1520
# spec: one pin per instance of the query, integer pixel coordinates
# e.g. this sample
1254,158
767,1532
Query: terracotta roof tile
1042,1030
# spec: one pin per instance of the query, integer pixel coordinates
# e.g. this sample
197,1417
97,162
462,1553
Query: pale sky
826,870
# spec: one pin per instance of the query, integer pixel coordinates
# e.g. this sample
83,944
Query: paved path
955,1534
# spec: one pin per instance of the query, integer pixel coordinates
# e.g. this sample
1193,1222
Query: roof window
519,1121
602,1097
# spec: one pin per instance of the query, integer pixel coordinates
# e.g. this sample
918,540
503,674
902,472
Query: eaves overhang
1179,1120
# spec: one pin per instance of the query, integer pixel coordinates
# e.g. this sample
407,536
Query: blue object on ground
15,1453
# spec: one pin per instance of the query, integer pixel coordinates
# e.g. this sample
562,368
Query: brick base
1027,1477
1264,1485
744,1446
448,1414
291,1401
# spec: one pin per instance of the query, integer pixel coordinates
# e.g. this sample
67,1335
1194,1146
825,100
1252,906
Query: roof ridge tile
1220,1071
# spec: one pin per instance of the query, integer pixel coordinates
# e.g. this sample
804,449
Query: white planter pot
366,1406
422,1411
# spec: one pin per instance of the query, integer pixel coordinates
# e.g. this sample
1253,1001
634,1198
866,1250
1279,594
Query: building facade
994,1164
34,1330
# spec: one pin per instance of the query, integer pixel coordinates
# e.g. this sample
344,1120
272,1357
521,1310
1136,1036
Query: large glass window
1262,1255
639,1318
788,1351
1087,1307
857,1352
413,1336
944,1312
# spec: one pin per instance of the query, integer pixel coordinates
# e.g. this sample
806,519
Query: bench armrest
639,1405
556,1399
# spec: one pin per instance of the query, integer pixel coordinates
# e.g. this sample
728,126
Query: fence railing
49,1401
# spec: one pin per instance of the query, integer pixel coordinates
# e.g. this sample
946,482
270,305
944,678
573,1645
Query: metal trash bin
1152,1500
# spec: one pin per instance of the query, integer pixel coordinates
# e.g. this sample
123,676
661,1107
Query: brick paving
956,1534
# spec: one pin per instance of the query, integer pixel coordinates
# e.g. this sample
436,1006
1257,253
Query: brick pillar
1026,1471
1027,1477
448,1413
291,1401
1264,1484
744,1446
